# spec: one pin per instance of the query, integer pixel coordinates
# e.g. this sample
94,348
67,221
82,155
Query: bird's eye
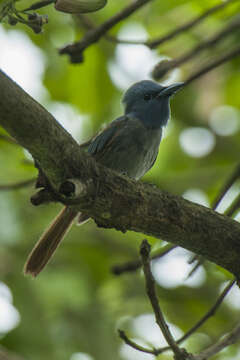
147,97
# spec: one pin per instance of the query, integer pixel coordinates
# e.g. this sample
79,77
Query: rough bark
111,199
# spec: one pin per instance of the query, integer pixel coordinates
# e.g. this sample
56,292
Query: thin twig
152,44
135,346
179,30
163,68
18,185
193,329
212,65
39,5
226,186
8,139
229,212
136,264
88,24
180,354
229,339
199,323
75,51
233,207
209,313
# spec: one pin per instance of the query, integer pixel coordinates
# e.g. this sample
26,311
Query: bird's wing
100,143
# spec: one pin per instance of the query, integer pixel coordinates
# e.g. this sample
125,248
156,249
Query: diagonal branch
152,44
8,139
137,264
226,186
180,354
188,25
119,202
229,339
135,346
18,185
75,51
163,68
213,64
211,312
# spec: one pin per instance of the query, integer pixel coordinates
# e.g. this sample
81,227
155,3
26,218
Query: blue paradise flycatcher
128,145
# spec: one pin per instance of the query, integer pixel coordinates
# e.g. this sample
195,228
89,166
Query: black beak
171,89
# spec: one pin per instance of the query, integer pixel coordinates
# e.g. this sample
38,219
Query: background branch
180,354
205,69
8,139
229,339
75,51
136,264
226,186
153,43
188,25
18,185
194,328
164,67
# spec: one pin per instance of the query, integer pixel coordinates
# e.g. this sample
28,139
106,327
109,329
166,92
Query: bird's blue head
149,102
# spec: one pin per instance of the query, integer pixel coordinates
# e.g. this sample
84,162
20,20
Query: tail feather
49,241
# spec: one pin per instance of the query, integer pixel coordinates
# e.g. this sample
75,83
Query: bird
128,145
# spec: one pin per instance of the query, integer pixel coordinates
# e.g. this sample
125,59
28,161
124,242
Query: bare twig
136,264
75,51
8,139
88,24
179,30
199,323
229,212
152,44
135,346
229,339
180,354
210,312
212,65
163,68
39,5
233,207
193,329
200,261
234,176
18,185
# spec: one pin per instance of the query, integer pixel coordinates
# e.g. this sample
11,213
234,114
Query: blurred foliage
77,304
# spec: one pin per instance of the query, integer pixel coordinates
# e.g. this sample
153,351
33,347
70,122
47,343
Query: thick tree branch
111,199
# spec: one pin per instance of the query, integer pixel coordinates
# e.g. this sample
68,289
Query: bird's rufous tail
49,241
